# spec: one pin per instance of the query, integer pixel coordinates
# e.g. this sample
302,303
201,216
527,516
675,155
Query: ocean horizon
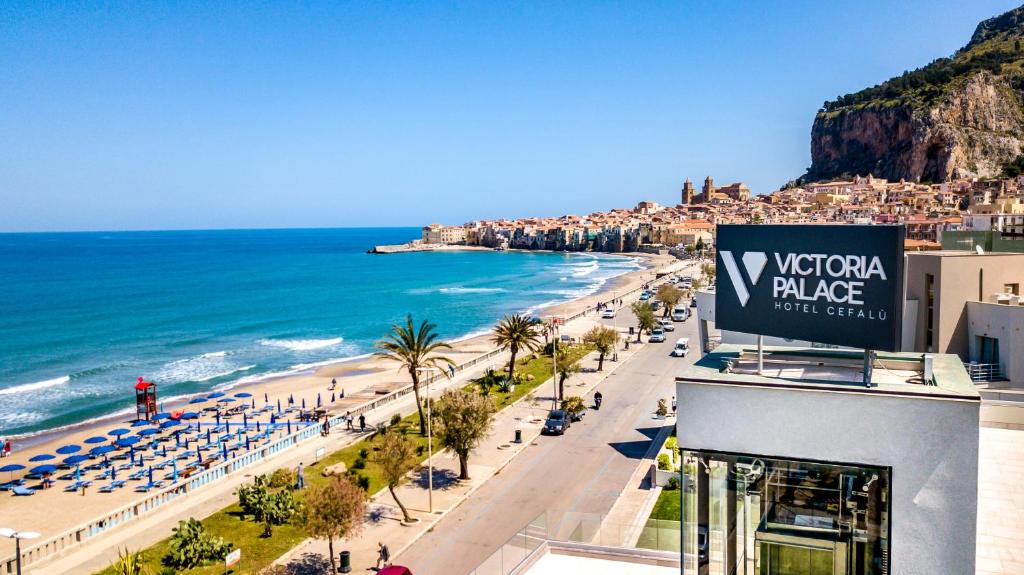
83,314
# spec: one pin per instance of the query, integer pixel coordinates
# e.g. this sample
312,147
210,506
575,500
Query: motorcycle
597,400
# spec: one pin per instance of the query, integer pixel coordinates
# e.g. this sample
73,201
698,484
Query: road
583,471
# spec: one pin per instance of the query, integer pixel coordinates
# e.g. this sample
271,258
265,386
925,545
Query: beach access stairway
74,538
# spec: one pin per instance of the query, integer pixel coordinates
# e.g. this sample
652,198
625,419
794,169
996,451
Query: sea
83,315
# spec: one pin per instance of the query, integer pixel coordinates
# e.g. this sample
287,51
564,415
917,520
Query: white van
681,348
680,313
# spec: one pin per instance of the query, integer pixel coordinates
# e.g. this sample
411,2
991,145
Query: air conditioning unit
929,368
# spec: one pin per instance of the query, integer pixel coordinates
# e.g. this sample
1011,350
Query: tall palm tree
414,349
515,333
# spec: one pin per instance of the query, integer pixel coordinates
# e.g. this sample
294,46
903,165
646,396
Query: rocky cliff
961,116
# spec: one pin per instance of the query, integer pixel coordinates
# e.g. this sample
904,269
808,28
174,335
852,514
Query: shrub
362,481
662,410
359,464
363,453
128,563
192,545
282,478
420,449
671,443
663,462
267,506
396,419
673,483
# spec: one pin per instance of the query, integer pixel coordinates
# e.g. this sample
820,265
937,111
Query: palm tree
515,333
414,349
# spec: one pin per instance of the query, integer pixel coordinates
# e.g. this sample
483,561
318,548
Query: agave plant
128,562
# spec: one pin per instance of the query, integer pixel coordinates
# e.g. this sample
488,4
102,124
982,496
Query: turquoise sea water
82,315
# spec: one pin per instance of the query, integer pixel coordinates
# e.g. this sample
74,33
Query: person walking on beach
7,448
362,422
383,555
334,384
300,477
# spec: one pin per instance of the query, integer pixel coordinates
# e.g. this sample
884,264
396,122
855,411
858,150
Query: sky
179,115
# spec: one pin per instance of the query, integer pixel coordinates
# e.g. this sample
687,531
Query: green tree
566,367
708,270
396,456
645,320
514,333
603,339
462,421
267,504
669,295
334,510
414,349
192,545
574,405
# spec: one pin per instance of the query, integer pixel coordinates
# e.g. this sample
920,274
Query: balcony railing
982,372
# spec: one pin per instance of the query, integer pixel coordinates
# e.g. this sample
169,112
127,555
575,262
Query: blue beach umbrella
215,395
273,418
245,421
226,400
289,427
177,439
207,435
257,426
318,402
41,457
218,418
174,471
169,423
74,459
291,399
279,405
118,431
200,454
303,403
101,450
78,472
140,423
12,467
243,394
190,415
161,415
38,470
68,449
96,439
151,475
113,473
224,449
128,441
198,400
253,403
148,431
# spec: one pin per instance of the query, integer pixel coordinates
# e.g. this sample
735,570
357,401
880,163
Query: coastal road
583,471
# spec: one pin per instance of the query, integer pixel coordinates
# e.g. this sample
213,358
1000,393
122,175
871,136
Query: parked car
680,313
666,324
693,302
657,336
558,421
395,570
682,347
655,305
608,313
645,296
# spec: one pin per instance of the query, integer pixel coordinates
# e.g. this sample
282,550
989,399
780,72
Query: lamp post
17,536
430,444
554,360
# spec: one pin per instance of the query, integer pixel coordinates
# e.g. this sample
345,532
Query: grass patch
258,552
669,506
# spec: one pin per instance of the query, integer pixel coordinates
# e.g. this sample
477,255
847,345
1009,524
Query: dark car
395,570
558,421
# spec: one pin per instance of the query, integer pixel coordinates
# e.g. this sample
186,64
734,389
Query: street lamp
430,444
17,536
554,360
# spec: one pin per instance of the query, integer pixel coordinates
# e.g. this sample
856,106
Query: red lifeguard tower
145,399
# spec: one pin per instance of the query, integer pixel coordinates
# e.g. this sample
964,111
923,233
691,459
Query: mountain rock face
957,117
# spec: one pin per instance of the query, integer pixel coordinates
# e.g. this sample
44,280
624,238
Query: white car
666,324
680,313
609,313
657,336
682,347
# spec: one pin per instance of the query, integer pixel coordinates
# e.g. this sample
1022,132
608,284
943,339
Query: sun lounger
147,486
23,491
138,475
112,486
11,484
78,485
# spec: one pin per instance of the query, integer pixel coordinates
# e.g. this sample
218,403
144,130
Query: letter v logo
754,262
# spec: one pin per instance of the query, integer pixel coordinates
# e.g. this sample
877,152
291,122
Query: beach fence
76,536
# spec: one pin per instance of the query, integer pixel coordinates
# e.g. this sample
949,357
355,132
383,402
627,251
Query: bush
673,483
362,481
363,453
267,506
396,419
420,449
282,478
128,562
671,443
192,545
663,462
662,410
359,464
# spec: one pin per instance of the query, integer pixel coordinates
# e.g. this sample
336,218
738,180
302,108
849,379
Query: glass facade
753,515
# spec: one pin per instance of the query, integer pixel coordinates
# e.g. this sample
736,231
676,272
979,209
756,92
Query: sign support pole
760,355
869,362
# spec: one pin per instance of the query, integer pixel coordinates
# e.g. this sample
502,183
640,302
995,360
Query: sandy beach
361,380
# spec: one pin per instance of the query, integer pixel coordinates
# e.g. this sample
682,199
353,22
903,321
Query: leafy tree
708,270
603,339
463,420
669,295
414,349
334,510
574,405
700,246
192,545
396,456
128,563
515,333
645,320
566,366
662,409
267,505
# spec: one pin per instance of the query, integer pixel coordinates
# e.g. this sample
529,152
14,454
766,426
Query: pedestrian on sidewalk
348,421
673,405
383,555
451,370
300,477
362,422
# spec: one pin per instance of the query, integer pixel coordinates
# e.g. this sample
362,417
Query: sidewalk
494,453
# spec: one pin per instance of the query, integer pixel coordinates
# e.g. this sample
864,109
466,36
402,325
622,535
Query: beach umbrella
208,435
190,415
303,403
245,421
227,426
12,467
257,426
200,454
289,427
161,415
169,423
41,457
74,459
148,431
128,441
279,405
140,423
68,449
163,451
38,470
174,471
118,431
151,475
332,397
218,418
177,439
253,403
101,450
266,398
215,395
96,439
113,473
243,394
224,450
198,400
78,472
291,399
226,400
273,418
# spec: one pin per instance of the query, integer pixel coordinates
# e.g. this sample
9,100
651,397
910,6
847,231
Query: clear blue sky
248,114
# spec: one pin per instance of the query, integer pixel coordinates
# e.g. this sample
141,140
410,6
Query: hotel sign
836,284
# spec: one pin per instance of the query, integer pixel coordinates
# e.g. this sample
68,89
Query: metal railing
981,372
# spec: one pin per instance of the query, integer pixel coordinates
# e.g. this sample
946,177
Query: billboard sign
835,284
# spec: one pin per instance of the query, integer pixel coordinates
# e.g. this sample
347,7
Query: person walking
451,370
362,422
383,555
334,384
673,405
348,421
7,448
300,477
